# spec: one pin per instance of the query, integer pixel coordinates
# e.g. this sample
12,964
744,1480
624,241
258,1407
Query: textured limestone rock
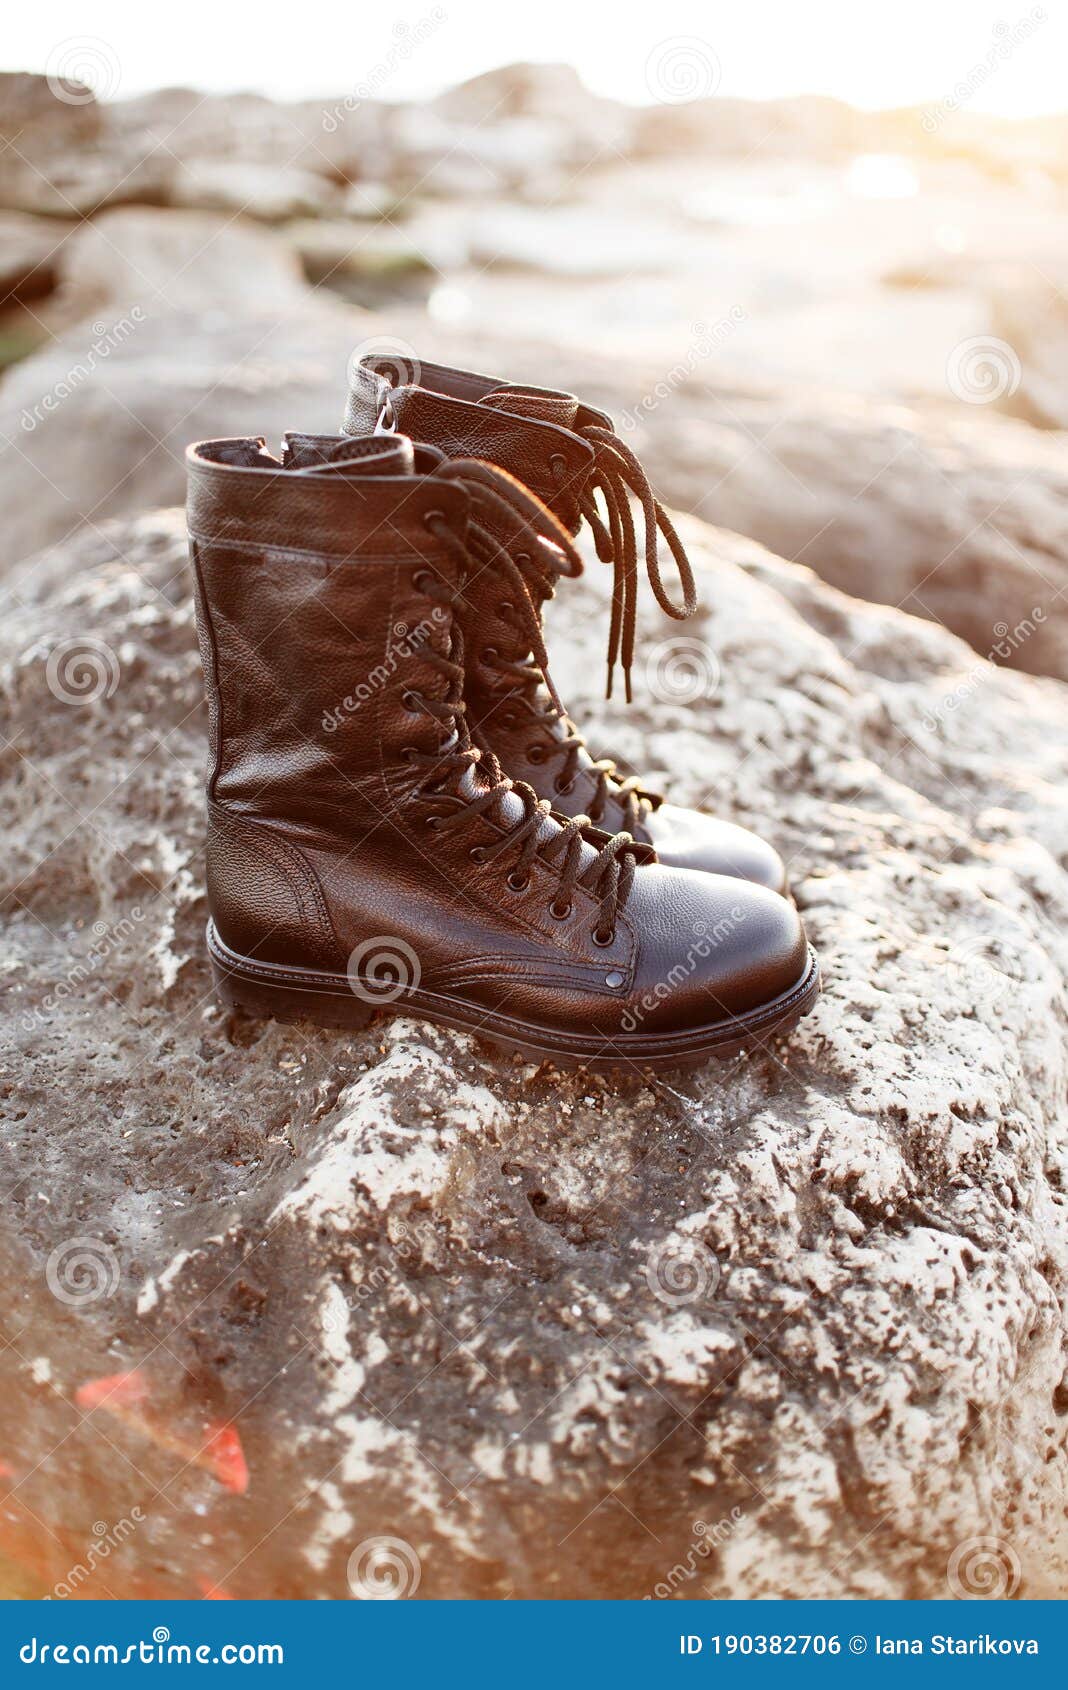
29,249
793,1325
1029,311
189,326
962,520
62,153
958,515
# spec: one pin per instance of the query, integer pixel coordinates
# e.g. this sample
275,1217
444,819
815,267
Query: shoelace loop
617,473
532,573
611,873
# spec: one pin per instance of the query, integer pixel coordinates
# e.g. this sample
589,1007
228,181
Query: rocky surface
954,514
955,518
792,1325
957,514
520,129
187,326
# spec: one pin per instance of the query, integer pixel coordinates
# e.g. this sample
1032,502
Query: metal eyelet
518,883
603,940
563,787
430,517
557,458
432,822
420,580
559,914
506,607
535,753
489,654
412,703
478,853
408,753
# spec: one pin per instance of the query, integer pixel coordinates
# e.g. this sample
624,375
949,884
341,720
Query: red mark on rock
223,1456
116,1392
212,1592
213,1445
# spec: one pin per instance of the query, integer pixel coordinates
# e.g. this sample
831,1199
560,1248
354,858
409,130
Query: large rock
29,256
63,154
275,1296
956,514
964,521
189,327
1032,317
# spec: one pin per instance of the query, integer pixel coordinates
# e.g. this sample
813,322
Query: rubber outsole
284,993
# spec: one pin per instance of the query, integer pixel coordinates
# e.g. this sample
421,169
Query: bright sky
1010,57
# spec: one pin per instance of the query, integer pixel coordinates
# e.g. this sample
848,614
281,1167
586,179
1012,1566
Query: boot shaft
567,452
317,613
474,416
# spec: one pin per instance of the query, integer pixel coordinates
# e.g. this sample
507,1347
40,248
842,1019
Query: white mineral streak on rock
345,1374
370,1150
153,1288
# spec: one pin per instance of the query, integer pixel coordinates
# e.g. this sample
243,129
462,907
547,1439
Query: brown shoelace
616,474
611,873
526,522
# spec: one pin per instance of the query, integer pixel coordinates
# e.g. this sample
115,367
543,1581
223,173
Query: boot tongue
540,404
341,454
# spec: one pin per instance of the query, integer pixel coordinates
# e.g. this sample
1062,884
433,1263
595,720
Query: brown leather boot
565,452
364,854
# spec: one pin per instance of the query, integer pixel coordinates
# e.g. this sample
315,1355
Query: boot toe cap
739,948
689,839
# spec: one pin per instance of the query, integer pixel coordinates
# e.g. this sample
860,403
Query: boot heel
286,1003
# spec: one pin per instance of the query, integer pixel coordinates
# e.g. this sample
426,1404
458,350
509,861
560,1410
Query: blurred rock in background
808,318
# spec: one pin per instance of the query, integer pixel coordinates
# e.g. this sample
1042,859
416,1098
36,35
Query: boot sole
288,994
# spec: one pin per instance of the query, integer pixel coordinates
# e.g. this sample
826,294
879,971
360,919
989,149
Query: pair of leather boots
401,813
